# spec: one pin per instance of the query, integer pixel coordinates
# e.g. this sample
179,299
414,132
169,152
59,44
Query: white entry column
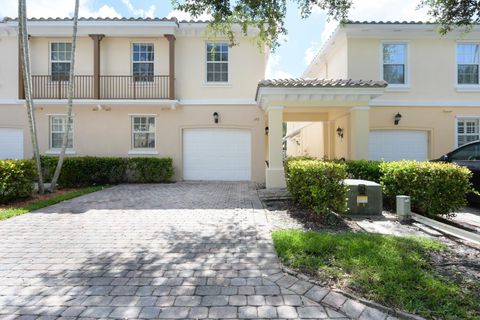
359,132
275,175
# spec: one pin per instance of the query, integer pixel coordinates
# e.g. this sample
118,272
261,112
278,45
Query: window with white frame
60,55
467,130
143,65
394,57
217,62
468,64
143,132
58,125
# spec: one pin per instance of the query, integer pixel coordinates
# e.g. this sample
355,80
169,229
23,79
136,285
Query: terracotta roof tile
173,19
321,83
387,22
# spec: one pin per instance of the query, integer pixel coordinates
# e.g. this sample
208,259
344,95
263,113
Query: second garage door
11,143
392,145
217,154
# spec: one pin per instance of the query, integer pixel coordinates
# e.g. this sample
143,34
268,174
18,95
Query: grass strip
12,212
391,270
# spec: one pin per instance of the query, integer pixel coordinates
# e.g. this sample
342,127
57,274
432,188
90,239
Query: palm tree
27,79
58,169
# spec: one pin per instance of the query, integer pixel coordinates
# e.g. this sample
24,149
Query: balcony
109,87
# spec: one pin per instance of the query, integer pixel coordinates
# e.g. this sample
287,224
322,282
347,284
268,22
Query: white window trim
142,83
51,81
465,87
395,86
134,150
216,83
52,150
457,118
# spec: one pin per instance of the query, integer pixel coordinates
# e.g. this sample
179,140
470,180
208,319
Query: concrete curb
387,310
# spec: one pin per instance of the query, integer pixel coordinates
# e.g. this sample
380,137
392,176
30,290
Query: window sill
57,152
397,88
217,84
468,88
144,152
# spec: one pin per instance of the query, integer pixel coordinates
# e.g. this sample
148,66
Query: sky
305,36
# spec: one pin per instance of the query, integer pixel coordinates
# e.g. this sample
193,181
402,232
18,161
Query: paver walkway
183,250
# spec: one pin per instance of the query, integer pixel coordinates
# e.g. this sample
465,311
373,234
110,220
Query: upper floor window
467,130
217,62
58,125
394,63
143,132
60,56
143,61
467,63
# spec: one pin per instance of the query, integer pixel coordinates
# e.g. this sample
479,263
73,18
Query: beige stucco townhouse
162,88
431,105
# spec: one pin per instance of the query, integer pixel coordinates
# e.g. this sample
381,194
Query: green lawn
393,271
12,212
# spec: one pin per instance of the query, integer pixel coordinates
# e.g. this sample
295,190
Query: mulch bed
35,197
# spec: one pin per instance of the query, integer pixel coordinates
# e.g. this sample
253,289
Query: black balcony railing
110,87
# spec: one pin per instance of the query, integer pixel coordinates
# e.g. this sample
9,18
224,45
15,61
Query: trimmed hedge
435,188
356,169
17,179
317,185
363,169
83,171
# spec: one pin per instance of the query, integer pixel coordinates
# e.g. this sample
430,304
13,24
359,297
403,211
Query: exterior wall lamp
266,131
340,132
215,117
397,118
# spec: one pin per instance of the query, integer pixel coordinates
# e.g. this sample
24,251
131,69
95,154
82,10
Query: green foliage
267,17
149,169
317,185
12,212
17,179
83,171
449,14
435,188
393,271
363,169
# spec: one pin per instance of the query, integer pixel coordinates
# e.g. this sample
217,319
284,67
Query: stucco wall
8,67
246,64
431,67
438,122
310,141
108,133
246,68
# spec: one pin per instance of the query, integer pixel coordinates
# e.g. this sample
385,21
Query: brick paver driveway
184,250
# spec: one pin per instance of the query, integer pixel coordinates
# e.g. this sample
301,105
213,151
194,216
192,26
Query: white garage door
217,154
392,145
11,143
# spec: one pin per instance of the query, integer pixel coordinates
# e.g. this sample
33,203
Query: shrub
82,171
149,169
317,184
17,179
434,188
364,169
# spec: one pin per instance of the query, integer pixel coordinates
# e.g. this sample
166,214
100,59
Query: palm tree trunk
58,169
27,79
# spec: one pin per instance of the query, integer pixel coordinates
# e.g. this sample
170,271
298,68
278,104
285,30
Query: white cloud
182,15
271,71
144,13
49,8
